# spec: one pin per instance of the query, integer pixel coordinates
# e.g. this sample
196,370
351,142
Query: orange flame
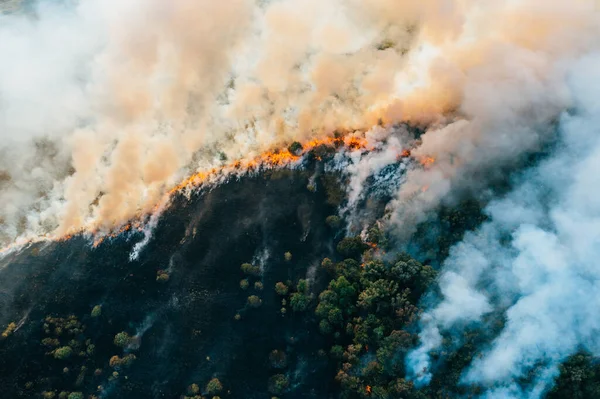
369,389
427,161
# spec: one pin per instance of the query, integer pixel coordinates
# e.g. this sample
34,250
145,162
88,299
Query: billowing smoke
535,261
105,105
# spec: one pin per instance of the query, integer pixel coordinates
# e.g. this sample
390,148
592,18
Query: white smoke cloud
536,258
135,95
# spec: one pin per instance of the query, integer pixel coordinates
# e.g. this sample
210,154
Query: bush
281,289
351,247
9,330
214,386
302,286
63,353
97,311
247,268
193,389
278,359
299,302
333,221
295,148
162,277
287,256
122,339
278,384
244,284
254,301
258,286
324,327
75,395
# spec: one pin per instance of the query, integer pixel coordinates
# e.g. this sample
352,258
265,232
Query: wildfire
427,161
368,389
275,158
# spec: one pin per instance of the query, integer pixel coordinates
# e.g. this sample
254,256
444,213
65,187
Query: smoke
127,112
129,97
535,260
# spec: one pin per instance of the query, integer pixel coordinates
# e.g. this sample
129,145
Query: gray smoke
535,261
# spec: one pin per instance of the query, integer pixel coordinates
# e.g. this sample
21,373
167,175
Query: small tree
63,352
247,268
214,387
258,286
333,221
287,256
295,148
299,302
97,311
122,339
278,384
244,284
254,301
278,359
281,289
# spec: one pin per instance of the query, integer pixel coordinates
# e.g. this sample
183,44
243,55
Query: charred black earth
190,332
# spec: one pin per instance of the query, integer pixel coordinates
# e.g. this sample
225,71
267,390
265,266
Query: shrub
302,286
299,302
97,311
278,384
75,395
287,256
258,286
325,327
295,148
214,386
351,247
193,389
247,268
63,352
9,330
333,221
278,359
244,284
254,301
122,339
162,277
281,289
50,342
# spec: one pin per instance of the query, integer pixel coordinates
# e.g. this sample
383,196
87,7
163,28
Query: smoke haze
102,115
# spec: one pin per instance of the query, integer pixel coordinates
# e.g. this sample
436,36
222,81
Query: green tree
96,311
278,359
254,301
281,289
247,268
244,284
333,221
299,302
295,148
351,247
63,352
214,387
278,384
122,339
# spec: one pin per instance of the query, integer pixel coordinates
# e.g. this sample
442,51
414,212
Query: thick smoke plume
535,260
105,105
